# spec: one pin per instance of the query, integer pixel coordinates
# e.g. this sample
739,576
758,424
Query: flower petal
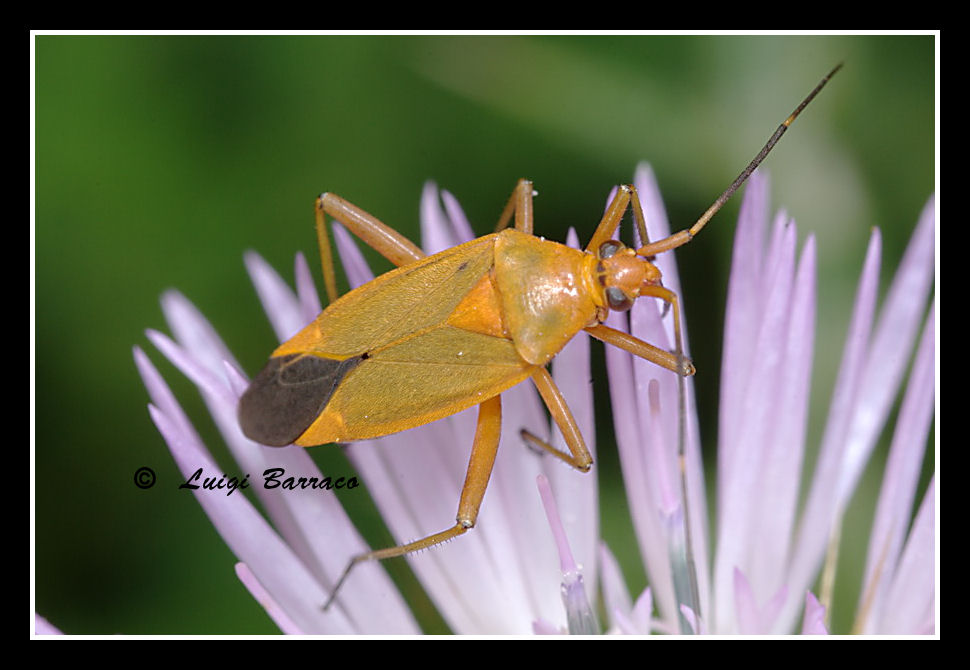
813,619
911,599
616,597
891,348
899,482
867,385
742,485
43,627
279,303
248,535
262,596
649,479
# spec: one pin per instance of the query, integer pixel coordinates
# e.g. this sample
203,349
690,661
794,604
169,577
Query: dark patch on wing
288,395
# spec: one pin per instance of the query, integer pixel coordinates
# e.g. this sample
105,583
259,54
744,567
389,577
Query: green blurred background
161,159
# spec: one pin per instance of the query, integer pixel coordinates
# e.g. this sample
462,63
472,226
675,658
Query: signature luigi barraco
273,478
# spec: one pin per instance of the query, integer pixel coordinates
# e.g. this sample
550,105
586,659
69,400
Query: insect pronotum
508,301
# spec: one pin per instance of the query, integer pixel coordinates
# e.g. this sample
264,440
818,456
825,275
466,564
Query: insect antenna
772,141
684,236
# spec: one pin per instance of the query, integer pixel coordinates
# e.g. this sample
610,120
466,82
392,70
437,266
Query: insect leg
626,196
520,203
642,349
382,238
692,597
670,298
579,456
476,481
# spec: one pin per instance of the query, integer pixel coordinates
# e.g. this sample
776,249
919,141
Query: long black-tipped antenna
772,141
682,237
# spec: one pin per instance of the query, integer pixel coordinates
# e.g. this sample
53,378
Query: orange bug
442,333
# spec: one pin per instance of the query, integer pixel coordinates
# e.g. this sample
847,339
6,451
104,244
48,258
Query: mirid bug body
430,339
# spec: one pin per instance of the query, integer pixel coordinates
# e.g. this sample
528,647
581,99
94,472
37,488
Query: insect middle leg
578,456
386,241
479,471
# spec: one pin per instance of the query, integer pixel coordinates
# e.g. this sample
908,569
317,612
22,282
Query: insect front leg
476,481
626,196
641,349
386,241
578,456
675,362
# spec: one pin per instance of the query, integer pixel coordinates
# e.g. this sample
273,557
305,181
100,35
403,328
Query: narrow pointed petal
899,482
743,484
911,599
435,229
743,312
262,596
631,407
745,605
891,349
642,614
461,229
616,596
868,382
442,228
43,627
306,291
639,620
780,478
816,519
813,618
280,571
355,267
279,303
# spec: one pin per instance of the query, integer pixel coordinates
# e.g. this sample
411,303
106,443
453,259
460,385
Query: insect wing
419,379
396,304
383,358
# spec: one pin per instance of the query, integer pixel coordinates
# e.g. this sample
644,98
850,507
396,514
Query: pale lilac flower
502,577
768,555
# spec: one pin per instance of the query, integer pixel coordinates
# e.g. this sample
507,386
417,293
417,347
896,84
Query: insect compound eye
609,248
617,299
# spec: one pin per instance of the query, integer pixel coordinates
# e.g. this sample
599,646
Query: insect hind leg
383,239
479,471
578,456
